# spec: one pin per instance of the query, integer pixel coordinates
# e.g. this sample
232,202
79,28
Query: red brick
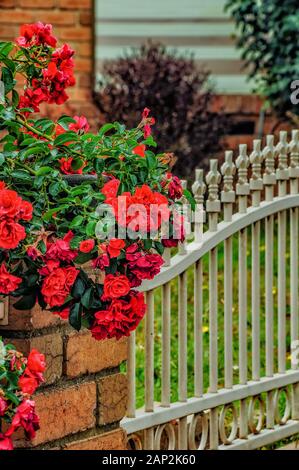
86,18
85,355
45,4
7,3
83,80
16,16
80,94
73,4
83,65
65,411
83,49
51,346
113,392
55,18
26,320
8,32
81,33
113,440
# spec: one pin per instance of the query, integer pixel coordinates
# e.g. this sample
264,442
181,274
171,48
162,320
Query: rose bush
19,378
54,177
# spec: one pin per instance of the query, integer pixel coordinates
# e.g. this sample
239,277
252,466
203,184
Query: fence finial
228,170
213,179
269,176
185,211
242,188
256,182
294,161
199,188
282,171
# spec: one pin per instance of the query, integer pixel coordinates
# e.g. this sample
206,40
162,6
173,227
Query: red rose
110,189
101,262
81,124
10,203
115,246
86,245
71,274
50,266
28,382
66,166
120,318
8,282
11,233
57,285
26,418
64,314
3,406
175,190
26,209
60,249
5,442
140,150
115,286
146,266
36,362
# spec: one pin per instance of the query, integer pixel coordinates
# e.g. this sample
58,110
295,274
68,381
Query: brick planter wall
84,396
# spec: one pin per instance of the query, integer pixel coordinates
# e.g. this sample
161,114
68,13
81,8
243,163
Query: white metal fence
238,287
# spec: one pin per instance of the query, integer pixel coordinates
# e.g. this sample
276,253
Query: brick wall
84,395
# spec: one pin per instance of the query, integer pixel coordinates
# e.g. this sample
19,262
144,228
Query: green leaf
105,128
77,163
189,198
90,228
48,215
75,316
83,258
65,138
159,247
44,170
26,302
5,49
21,175
87,298
77,221
78,288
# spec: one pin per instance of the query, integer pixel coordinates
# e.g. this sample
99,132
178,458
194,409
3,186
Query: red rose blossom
64,314
10,203
175,190
121,317
60,249
11,233
146,266
8,282
140,150
3,406
57,285
81,124
36,362
115,286
5,442
26,418
86,245
110,189
115,246
28,382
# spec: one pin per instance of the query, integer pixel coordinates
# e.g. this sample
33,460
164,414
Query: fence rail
226,303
